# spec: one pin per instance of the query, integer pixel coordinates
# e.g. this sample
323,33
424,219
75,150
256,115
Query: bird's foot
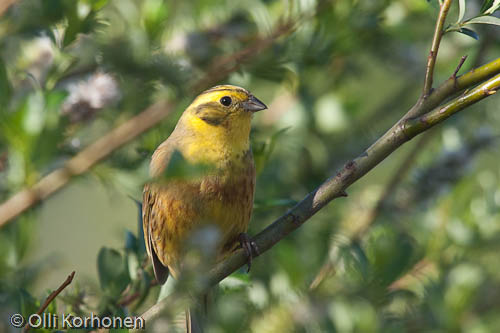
250,248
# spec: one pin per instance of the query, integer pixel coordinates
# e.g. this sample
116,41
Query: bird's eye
226,101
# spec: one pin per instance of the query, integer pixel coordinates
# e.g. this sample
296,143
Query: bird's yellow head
220,117
222,105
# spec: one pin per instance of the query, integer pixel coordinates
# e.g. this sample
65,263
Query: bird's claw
250,248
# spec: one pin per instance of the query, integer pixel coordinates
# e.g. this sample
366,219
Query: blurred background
413,248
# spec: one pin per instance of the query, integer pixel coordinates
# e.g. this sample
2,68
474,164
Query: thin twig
419,270
436,40
52,296
460,64
128,299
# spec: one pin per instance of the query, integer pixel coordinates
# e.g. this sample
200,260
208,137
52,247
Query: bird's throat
218,144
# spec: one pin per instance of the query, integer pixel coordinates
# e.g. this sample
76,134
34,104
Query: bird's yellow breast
217,144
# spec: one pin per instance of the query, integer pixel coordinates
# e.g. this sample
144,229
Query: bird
213,130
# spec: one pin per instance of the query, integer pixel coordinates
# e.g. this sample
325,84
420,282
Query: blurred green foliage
70,71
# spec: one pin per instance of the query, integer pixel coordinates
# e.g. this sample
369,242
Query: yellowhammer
213,130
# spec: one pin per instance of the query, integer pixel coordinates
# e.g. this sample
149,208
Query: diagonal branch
335,187
436,40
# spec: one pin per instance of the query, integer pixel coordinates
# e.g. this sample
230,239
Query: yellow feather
216,144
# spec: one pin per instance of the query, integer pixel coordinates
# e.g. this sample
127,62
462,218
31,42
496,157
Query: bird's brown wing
148,223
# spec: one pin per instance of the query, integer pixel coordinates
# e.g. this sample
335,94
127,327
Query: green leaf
28,304
97,4
236,281
74,22
130,241
34,119
390,253
132,255
107,262
77,24
5,87
112,270
53,102
469,32
132,265
486,4
461,10
144,288
495,5
141,245
155,13
484,20
355,261
179,168
262,150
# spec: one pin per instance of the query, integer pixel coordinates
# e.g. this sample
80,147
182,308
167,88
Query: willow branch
436,40
335,187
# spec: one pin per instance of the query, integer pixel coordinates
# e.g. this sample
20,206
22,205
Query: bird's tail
196,315
193,322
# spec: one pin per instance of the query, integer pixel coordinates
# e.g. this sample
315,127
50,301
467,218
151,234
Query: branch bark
334,187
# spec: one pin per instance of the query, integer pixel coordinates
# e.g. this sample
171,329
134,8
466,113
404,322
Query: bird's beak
253,104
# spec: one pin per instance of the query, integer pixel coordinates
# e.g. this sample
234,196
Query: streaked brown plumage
212,133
